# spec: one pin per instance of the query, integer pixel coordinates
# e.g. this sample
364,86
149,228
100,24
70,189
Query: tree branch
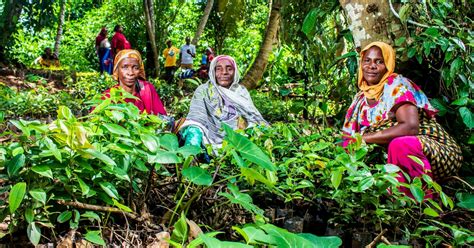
409,21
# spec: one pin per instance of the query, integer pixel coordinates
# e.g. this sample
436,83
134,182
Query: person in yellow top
170,53
48,59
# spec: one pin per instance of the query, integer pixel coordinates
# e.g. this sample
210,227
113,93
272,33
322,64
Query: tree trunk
150,27
370,20
59,34
203,21
255,73
11,13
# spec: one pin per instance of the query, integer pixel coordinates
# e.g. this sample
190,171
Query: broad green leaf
14,165
53,148
466,200
39,195
365,183
121,206
446,200
440,105
150,141
64,216
109,189
84,187
254,235
180,232
29,215
189,150
244,200
43,170
433,32
94,237
430,212
65,113
169,142
326,241
215,243
34,233
91,215
197,175
17,193
198,241
417,192
252,174
247,149
416,159
164,157
336,178
393,246
309,23
467,117
104,158
116,129
391,168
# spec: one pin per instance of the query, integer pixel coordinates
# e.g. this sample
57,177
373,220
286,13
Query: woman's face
225,73
373,66
128,71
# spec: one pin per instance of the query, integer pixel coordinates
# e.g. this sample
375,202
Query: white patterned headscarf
213,105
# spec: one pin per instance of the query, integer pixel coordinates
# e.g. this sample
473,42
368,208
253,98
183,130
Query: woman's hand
408,124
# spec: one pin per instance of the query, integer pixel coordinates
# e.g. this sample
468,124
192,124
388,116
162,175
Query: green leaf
466,200
215,243
150,141
327,241
197,175
34,233
116,129
39,195
180,232
446,200
244,200
109,189
65,113
189,150
121,206
460,102
53,148
309,23
43,170
430,212
247,149
416,159
169,142
91,215
252,175
64,216
467,117
365,183
391,168
254,235
94,237
198,241
164,157
29,215
336,177
84,187
433,32
17,193
440,105
14,165
417,192
104,158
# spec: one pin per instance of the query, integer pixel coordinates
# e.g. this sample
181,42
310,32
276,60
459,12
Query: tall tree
60,27
11,13
255,73
370,20
203,21
150,27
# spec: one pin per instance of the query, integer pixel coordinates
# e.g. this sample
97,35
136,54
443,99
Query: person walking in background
102,49
187,54
170,53
119,42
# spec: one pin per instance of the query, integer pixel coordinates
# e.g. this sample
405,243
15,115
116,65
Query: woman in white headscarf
221,100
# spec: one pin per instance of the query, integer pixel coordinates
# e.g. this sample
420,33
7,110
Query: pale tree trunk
202,22
150,27
255,73
8,20
59,33
370,20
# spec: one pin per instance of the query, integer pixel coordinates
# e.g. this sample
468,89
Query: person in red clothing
129,72
119,42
